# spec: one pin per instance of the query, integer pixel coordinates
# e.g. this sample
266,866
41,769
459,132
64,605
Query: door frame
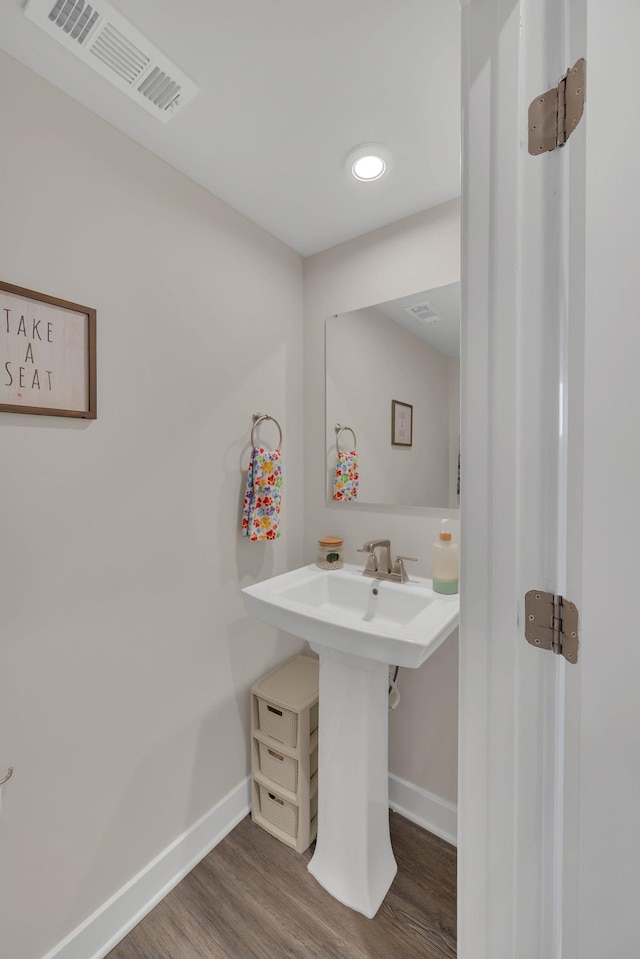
514,363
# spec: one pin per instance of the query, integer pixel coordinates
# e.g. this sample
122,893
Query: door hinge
554,115
551,622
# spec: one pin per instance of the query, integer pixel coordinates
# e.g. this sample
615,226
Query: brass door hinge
554,115
551,622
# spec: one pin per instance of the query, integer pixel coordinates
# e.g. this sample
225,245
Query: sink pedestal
353,859
357,626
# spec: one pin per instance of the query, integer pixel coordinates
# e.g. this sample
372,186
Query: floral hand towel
345,478
261,510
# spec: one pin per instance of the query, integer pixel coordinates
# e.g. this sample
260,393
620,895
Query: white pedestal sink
358,626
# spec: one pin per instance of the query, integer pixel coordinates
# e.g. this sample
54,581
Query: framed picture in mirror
401,423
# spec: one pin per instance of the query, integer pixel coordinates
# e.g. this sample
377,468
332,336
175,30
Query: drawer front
279,812
277,722
278,768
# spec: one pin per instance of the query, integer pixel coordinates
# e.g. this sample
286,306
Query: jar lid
330,541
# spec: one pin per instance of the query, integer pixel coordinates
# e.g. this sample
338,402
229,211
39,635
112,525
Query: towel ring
259,418
341,429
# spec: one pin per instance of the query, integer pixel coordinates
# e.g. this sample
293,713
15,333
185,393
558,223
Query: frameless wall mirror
392,380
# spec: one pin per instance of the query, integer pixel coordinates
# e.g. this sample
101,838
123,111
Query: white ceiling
288,87
443,334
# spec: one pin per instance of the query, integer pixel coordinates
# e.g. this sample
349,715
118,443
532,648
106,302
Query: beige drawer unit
284,751
282,813
281,769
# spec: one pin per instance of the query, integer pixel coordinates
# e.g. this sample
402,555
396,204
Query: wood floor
252,898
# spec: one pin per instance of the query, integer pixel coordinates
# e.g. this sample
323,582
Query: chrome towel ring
341,429
259,418
7,777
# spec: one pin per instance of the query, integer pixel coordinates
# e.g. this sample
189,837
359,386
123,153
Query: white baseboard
103,930
433,813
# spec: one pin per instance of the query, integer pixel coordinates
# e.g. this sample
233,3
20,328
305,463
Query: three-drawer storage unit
284,751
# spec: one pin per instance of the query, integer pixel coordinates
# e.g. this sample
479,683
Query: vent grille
159,89
423,312
108,42
75,17
119,54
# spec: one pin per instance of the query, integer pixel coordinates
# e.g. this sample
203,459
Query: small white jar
330,553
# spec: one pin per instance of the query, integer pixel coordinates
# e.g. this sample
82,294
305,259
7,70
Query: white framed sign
47,354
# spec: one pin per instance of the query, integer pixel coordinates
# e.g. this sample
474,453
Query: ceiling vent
422,311
109,43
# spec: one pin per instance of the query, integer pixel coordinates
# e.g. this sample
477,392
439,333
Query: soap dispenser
445,562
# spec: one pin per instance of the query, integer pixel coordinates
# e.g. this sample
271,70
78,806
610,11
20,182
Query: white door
514,326
549,808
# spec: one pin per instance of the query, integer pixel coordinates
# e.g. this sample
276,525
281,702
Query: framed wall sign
47,354
401,423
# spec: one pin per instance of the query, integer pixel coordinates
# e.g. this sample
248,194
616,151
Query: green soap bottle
445,562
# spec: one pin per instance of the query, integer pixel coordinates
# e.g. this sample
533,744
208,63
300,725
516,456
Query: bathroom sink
398,623
358,626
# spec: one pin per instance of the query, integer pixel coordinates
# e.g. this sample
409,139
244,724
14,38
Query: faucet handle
398,567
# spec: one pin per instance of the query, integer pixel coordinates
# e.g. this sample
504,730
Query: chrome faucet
380,566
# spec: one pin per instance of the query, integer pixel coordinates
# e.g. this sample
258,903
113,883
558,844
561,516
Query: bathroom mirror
392,377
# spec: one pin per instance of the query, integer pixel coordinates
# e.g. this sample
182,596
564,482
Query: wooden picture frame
401,423
47,354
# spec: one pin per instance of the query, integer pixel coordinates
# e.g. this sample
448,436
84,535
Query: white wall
125,655
418,253
371,360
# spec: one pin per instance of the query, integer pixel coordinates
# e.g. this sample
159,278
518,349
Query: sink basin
358,626
397,623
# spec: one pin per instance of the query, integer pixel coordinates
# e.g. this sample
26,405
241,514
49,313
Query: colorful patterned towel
261,510
345,478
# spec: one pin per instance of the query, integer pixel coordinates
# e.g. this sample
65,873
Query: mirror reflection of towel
261,509
345,478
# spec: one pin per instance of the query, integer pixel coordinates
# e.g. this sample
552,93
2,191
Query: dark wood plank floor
252,898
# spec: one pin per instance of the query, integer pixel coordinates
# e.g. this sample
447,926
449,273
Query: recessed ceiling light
369,161
369,168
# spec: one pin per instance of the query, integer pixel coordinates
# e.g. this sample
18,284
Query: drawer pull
272,709
276,755
276,799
